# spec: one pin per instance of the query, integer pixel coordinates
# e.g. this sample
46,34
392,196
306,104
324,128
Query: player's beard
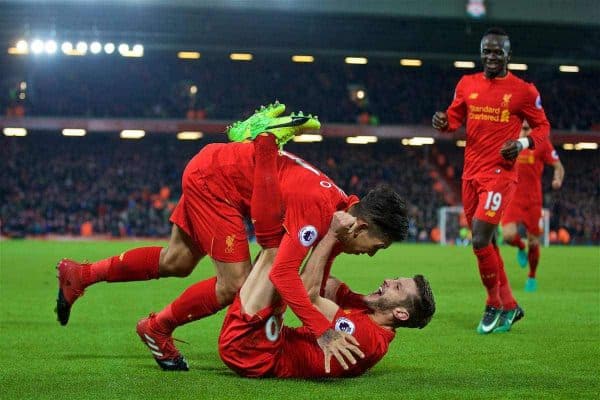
384,304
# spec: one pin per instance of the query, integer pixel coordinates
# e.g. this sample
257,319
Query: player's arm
314,270
340,345
533,112
338,292
559,175
454,116
284,276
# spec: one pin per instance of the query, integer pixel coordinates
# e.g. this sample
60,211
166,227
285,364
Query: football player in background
526,205
493,104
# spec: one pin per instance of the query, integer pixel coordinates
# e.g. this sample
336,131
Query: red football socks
534,259
139,264
487,260
506,296
266,203
196,302
517,242
505,291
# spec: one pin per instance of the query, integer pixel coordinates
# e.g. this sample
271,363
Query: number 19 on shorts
493,201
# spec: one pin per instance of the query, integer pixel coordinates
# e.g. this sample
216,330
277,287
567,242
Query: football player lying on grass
255,343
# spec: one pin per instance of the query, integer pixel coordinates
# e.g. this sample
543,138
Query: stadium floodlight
464,64
586,146
95,47
411,62
461,143
418,141
193,89
517,67
360,94
568,68
356,60
188,55
23,85
137,50
308,138
109,48
67,47
22,96
189,135
241,57
568,146
361,139
132,134
37,46
50,46
303,59
123,48
73,132
14,131
22,46
81,47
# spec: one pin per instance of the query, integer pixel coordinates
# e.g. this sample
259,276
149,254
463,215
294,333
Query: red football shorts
529,214
251,344
487,198
215,223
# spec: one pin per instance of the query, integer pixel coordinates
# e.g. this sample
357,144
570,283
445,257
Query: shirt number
493,202
272,328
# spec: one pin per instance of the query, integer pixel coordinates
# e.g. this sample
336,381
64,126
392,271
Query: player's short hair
385,212
495,31
421,306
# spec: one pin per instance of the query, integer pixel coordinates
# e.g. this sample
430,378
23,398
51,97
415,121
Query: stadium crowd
130,188
102,185
217,89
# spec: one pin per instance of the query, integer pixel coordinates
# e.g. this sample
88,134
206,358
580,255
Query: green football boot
531,285
508,319
250,128
283,128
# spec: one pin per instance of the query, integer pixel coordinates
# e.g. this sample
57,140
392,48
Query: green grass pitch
554,352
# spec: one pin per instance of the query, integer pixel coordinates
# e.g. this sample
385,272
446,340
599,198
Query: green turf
553,353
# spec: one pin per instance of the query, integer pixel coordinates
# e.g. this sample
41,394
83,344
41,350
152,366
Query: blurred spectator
159,87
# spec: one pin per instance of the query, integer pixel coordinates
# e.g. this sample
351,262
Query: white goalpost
449,225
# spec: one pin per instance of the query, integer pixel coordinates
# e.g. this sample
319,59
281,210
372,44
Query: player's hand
342,224
440,120
340,345
511,149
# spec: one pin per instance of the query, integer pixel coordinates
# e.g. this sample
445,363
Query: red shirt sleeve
346,298
550,155
305,227
457,111
533,112
287,281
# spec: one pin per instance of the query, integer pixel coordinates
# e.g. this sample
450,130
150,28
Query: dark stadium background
103,185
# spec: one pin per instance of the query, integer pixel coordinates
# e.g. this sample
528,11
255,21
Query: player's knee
173,264
480,241
533,241
227,289
509,235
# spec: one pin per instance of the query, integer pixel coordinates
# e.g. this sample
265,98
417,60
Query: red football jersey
530,166
310,199
493,111
301,356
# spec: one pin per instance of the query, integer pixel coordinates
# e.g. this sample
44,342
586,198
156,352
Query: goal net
454,230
